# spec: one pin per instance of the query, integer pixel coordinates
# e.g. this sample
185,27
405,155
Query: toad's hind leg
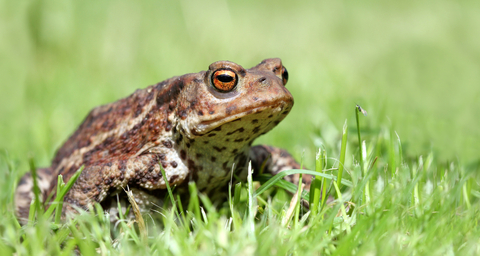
274,160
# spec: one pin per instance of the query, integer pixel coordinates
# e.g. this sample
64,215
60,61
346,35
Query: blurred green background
413,65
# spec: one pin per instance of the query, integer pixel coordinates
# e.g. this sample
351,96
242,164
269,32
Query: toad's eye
224,80
284,75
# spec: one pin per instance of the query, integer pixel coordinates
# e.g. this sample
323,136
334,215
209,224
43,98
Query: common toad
197,126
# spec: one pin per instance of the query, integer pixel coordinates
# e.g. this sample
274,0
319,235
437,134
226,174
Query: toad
197,127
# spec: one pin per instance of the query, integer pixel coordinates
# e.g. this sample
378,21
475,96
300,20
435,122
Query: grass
420,208
413,65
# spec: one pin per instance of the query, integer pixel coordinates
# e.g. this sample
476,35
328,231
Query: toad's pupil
225,78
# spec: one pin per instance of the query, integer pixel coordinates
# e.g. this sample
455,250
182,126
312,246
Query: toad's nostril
262,80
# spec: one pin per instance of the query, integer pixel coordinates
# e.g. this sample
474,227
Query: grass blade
252,203
343,151
282,174
316,186
58,208
342,207
358,109
36,189
63,192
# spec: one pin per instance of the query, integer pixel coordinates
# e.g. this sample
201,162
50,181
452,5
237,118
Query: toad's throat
206,126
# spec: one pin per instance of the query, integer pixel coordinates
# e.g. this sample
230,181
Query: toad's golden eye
284,75
224,80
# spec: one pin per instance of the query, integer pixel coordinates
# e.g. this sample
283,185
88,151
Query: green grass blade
282,174
252,204
299,196
391,161
36,189
466,195
194,203
343,152
63,192
400,152
167,184
358,109
342,207
283,184
58,208
316,186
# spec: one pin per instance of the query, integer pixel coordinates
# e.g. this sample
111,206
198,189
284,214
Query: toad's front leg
99,179
274,160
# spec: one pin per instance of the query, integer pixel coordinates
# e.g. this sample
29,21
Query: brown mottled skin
197,126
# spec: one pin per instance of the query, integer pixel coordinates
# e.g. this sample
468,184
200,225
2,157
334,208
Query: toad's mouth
208,125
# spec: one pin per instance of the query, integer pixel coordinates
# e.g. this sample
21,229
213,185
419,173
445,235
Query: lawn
412,65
